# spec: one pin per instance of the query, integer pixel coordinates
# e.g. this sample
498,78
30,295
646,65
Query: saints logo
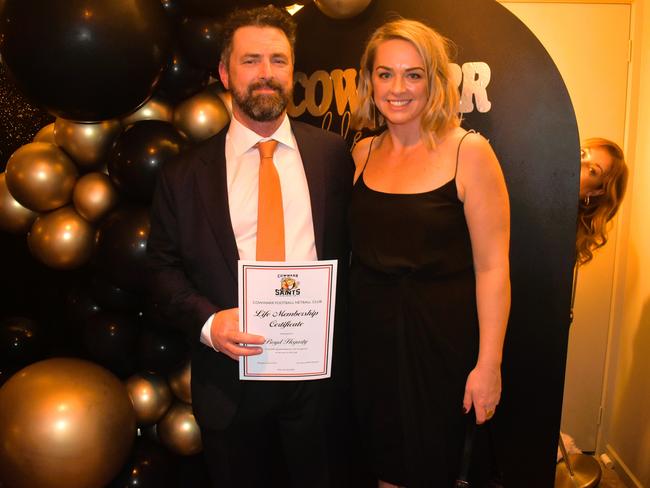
288,286
288,283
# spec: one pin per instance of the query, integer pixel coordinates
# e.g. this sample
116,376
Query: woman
603,179
430,276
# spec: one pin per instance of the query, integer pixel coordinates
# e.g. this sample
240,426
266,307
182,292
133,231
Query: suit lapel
315,171
212,183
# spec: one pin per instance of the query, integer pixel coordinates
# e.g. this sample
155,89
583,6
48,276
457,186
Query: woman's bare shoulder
361,149
473,146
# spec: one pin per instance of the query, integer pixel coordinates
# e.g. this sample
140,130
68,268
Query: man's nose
266,70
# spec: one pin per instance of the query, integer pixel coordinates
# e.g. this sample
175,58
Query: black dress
415,330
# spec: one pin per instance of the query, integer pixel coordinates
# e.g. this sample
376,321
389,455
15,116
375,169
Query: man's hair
268,16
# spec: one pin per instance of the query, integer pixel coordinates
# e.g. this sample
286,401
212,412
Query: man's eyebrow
259,55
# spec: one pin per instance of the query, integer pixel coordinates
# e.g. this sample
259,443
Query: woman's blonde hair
442,107
596,211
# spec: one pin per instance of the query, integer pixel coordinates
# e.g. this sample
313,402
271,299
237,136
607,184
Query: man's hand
227,339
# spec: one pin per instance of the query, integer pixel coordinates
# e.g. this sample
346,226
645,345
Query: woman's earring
587,201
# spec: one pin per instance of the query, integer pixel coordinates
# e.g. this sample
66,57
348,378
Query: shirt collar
244,139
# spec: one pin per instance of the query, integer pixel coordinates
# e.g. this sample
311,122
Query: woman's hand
483,391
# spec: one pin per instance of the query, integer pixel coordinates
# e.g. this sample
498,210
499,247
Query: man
205,217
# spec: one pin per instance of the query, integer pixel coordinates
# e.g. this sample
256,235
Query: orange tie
270,216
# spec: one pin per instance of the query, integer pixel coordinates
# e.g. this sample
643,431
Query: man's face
260,72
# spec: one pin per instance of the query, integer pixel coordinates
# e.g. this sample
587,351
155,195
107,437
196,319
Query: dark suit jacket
193,253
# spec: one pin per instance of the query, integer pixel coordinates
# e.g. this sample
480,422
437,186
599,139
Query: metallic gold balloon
217,88
201,116
64,422
152,110
179,431
86,144
150,395
61,239
94,196
342,9
46,134
226,98
179,381
13,216
40,176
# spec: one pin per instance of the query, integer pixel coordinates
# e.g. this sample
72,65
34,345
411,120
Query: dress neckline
427,192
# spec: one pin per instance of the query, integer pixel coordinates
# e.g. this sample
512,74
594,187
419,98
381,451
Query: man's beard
263,107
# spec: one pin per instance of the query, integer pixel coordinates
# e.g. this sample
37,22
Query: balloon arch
129,85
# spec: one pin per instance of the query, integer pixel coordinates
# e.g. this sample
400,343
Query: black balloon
286,3
110,339
149,432
193,471
21,342
138,155
181,79
200,38
121,247
152,314
150,466
161,350
5,374
80,305
85,60
110,296
172,8
214,8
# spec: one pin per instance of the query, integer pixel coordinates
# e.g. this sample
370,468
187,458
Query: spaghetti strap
471,131
367,157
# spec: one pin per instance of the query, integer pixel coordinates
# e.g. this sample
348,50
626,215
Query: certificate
290,304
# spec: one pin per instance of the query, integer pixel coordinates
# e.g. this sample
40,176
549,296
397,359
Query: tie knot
267,148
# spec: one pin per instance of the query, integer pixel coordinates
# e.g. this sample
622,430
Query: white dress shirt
242,171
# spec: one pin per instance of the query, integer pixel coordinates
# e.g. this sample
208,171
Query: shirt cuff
205,333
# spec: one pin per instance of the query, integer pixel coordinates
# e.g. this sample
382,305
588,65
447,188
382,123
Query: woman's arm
483,191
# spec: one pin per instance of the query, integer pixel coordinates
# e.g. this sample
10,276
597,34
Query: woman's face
595,164
399,82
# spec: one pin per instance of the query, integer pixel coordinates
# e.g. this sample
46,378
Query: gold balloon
342,9
152,110
46,134
150,395
13,216
180,383
87,144
40,176
64,422
216,88
226,98
201,116
61,239
179,431
94,196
